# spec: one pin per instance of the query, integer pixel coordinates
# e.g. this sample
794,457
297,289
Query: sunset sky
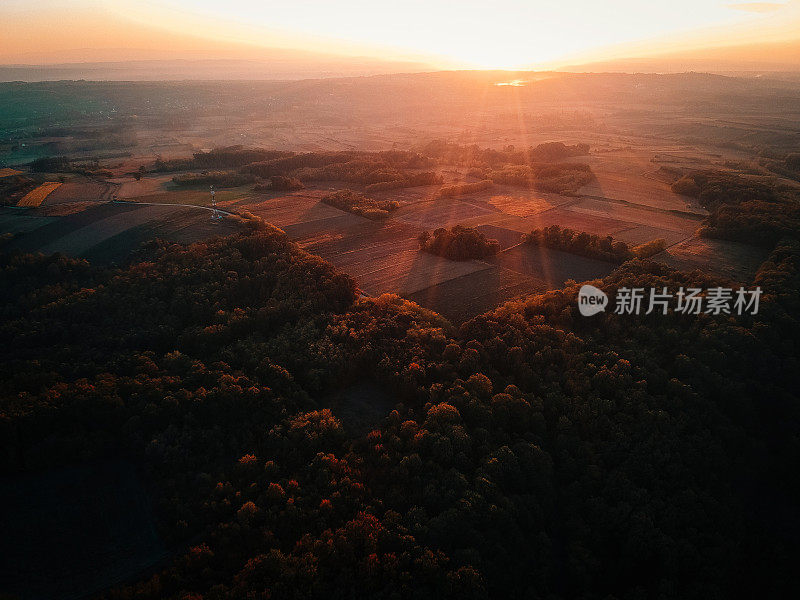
440,33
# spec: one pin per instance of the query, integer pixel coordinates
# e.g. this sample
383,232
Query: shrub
686,186
650,248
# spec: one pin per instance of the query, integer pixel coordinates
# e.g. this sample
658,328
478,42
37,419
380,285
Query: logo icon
591,300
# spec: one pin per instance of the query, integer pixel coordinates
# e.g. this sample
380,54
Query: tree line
591,245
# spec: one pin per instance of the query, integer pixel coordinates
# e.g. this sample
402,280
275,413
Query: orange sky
439,33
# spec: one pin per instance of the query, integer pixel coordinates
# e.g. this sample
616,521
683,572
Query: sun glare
512,34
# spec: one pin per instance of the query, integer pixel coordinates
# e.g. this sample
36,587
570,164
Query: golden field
36,196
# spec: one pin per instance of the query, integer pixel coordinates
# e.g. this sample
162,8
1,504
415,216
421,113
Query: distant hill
283,66
740,59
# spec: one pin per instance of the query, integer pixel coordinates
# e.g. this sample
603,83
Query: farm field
525,205
11,221
562,216
109,232
36,196
444,213
80,190
637,214
641,234
384,256
192,197
292,209
461,298
632,176
552,267
636,189
730,260
128,187
637,149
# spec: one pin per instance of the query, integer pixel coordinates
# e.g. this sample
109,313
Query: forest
540,167
458,243
279,183
462,189
743,208
591,245
359,204
561,178
220,179
474,155
531,453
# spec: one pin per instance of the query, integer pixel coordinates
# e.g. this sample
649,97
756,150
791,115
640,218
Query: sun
494,62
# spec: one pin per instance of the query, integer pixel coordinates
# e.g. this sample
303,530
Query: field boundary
674,211
210,208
